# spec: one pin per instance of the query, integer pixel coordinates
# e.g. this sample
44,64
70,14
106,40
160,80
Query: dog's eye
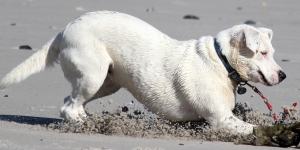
264,53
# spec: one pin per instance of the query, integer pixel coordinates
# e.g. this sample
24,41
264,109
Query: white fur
101,52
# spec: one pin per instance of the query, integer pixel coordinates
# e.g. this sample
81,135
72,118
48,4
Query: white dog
101,52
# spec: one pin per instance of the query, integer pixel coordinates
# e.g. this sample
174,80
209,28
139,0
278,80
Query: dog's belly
155,90
166,105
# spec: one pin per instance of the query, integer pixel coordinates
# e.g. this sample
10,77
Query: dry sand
38,99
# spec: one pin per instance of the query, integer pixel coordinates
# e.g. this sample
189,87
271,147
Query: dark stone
191,17
25,47
250,22
181,144
5,95
137,112
13,24
285,60
105,112
125,109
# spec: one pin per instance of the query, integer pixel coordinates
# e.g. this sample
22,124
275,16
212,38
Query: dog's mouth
264,78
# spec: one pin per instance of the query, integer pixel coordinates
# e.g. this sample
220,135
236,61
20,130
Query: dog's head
250,52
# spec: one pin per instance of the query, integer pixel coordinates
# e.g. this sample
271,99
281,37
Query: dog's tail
40,60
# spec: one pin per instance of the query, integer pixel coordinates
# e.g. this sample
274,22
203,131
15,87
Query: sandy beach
38,99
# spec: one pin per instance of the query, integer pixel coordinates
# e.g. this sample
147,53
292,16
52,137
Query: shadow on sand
29,119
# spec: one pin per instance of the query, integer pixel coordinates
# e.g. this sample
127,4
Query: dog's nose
281,75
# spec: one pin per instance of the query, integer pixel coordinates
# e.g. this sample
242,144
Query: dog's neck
233,74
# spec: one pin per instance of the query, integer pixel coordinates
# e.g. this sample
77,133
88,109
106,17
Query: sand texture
29,111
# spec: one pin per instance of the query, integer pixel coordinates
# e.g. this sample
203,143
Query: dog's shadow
29,119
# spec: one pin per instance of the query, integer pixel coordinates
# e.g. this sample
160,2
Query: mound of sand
144,124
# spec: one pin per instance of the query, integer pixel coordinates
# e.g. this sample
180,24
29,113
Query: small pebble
125,109
150,9
285,60
250,22
27,47
181,144
5,95
137,112
13,24
105,112
239,8
191,17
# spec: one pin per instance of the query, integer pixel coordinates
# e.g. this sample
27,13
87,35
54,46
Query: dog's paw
77,122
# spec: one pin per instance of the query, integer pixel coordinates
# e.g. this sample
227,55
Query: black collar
232,72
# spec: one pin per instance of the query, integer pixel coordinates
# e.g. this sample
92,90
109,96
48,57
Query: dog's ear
268,31
247,37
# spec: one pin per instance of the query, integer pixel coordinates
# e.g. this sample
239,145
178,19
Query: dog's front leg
222,117
233,123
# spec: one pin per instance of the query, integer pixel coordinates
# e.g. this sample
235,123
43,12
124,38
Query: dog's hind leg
107,88
86,71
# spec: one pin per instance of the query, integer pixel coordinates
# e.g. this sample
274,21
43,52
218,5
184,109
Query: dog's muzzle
281,75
